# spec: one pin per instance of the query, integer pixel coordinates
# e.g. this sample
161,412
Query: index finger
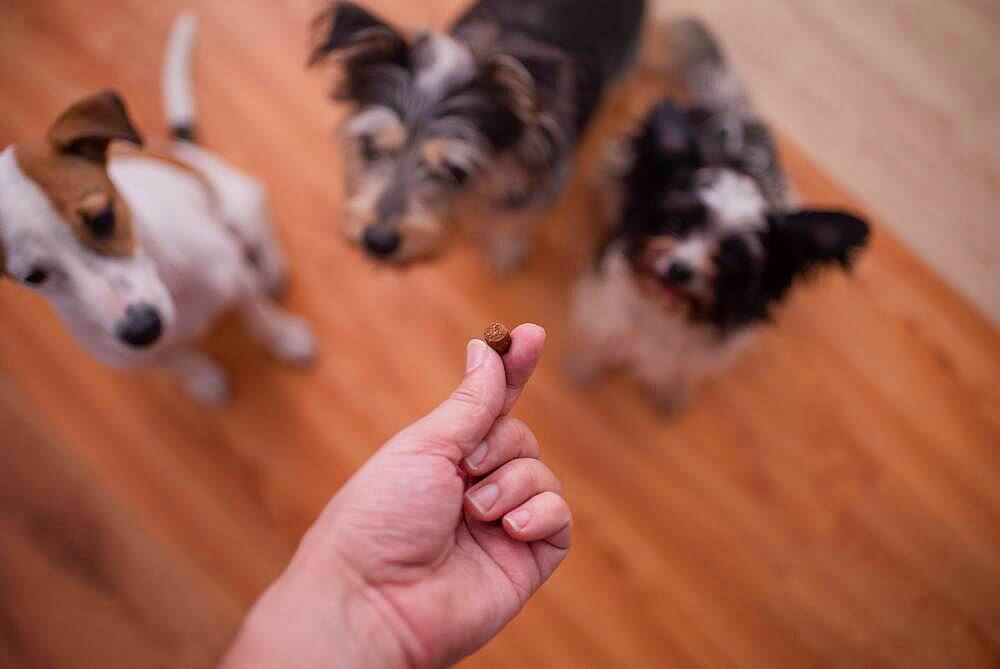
527,342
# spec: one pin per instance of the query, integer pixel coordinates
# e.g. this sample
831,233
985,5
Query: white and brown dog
140,253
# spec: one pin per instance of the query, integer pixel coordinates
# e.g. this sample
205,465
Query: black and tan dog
705,242
487,114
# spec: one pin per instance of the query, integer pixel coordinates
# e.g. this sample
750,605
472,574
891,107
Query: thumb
461,423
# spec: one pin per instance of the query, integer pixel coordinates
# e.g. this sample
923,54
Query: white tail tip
178,92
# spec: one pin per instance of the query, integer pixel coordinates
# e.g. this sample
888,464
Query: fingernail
477,456
484,498
475,354
519,519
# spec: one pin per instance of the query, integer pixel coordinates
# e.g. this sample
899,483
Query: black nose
382,241
142,326
679,273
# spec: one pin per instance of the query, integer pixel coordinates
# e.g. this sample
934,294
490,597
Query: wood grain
832,501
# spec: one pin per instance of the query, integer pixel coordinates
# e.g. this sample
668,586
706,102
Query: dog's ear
807,239
528,77
88,127
352,30
515,88
799,243
517,84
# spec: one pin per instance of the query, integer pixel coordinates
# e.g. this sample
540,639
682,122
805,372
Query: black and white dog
487,114
704,242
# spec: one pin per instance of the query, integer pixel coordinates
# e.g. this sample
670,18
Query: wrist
320,616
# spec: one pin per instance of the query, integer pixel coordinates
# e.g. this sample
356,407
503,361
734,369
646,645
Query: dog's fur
704,242
141,252
484,118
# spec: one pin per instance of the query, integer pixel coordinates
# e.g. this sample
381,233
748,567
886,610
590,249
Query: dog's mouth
670,295
671,292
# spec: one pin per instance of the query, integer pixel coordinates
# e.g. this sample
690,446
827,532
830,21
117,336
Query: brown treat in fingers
498,338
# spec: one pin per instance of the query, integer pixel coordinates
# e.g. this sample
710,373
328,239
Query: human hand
433,546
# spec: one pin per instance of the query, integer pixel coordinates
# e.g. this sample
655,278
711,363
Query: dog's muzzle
142,326
679,274
381,241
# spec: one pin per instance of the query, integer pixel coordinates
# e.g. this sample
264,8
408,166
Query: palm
410,539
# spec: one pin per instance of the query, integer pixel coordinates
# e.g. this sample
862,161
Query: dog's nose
679,273
382,241
142,326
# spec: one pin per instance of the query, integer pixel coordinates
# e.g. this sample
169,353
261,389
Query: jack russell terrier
140,253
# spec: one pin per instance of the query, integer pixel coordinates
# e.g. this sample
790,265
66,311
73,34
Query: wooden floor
834,501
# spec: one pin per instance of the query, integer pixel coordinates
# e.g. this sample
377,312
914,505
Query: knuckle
562,508
516,439
471,402
549,481
539,476
521,435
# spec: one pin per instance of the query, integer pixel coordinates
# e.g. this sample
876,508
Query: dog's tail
178,92
702,69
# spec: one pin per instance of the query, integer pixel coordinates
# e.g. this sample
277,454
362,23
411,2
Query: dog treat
498,337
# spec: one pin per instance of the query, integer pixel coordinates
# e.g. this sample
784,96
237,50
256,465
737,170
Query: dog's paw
294,343
209,386
671,400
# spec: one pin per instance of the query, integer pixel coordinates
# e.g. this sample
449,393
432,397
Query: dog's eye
674,225
102,224
369,150
36,277
458,174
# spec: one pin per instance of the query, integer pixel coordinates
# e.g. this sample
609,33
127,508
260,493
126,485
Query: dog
704,241
140,253
479,123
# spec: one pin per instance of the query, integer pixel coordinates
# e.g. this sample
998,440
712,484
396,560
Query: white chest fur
181,230
629,328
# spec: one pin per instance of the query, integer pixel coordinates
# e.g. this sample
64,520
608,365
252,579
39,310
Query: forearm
315,620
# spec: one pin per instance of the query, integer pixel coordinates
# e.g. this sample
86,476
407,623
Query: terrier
704,242
140,253
483,119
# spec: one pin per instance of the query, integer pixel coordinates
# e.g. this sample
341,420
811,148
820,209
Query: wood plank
81,583
830,501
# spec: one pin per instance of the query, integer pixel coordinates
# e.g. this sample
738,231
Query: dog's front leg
599,327
585,364
203,379
510,238
288,338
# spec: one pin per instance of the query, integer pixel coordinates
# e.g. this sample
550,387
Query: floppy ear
347,26
530,74
503,103
88,127
513,77
811,238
